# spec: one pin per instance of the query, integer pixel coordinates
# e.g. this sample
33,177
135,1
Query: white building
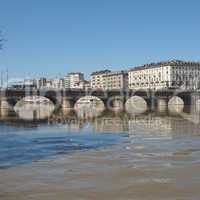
41,83
58,83
71,80
22,84
170,74
67,81
30,83
49,83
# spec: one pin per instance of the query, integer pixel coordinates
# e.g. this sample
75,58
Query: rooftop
83,81
101,72
74,73
122,72
166,63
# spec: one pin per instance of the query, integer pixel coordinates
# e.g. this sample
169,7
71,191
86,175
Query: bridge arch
54,96
136,105
34,107
89,107
175,104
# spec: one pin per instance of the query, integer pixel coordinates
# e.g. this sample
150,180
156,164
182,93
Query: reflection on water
109,121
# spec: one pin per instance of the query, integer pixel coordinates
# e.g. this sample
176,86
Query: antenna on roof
7,77
1,78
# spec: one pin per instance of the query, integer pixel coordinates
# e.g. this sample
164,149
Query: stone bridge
111,98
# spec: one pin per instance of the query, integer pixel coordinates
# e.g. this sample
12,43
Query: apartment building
169,74
83,85
96,79
108,80
41,82
58,83
71,79
115,80
49,83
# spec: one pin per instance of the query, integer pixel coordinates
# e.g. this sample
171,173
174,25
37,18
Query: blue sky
53,37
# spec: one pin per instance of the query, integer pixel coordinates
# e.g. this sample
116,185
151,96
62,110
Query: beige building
115,80
107,80
96,79
83,85
170,74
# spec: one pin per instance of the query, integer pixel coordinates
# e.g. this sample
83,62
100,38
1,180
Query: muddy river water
114,156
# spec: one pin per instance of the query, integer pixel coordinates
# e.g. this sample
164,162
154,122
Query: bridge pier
195,102
117,104
4,104
5,107
195,107
67,103
162,104
151,100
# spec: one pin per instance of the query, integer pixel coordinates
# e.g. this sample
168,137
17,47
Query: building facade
108,80
41,83
115,80
71,79
170,74
58,83
96,79
23,84
66,82
83,85
49,83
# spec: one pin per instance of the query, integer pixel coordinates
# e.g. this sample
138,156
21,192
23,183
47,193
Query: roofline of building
165,63
73,73
101,72
123,72
83,81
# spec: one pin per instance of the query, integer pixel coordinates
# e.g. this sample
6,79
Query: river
113,156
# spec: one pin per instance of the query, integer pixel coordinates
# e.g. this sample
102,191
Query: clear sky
52,37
